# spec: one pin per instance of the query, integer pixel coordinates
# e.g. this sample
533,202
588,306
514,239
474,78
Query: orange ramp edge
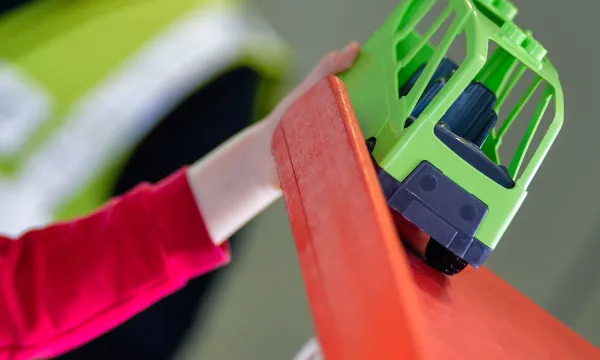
370,299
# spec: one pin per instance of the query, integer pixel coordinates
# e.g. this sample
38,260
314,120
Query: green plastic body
396,51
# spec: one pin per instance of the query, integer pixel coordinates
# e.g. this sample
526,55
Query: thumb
330,64
333,63
337,61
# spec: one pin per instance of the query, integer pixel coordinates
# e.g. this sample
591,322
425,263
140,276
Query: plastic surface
475,157
396,51
370,299
447,213
471,117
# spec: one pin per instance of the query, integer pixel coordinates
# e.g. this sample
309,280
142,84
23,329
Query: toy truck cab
434,127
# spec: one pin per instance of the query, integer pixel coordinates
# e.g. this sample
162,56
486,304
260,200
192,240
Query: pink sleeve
63,285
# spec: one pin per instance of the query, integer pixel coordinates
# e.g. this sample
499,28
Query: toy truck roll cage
433,125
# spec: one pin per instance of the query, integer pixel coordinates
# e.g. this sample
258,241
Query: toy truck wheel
371,142
432,252
442,259
435,254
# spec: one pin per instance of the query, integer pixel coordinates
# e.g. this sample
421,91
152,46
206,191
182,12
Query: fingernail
350,45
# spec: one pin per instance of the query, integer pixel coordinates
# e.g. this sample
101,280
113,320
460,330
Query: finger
337,61
332,63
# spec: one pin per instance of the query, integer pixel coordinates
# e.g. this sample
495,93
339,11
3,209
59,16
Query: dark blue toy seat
467,123
472,115
474,156
444,70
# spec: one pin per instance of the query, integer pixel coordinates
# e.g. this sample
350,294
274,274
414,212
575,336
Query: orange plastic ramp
369,298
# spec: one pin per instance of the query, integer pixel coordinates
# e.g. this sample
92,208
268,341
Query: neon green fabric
77,60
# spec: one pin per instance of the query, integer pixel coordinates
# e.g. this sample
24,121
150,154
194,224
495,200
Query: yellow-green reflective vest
82,82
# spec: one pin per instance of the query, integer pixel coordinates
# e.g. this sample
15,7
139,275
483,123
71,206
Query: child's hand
332,63
239,179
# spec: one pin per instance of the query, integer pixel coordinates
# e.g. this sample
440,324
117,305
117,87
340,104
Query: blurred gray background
550,251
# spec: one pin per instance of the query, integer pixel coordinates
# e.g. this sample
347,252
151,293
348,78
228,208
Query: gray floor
549,252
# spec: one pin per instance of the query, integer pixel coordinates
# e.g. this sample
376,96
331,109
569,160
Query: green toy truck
432,125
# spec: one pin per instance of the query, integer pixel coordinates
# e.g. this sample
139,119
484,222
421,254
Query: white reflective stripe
106,122
24,106
310,351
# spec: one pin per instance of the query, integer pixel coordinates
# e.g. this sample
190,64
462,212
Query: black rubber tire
442,259
436,255
371,142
